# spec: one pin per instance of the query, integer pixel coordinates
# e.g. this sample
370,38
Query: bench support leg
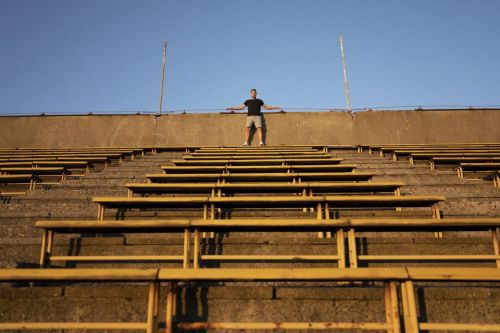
391,307
436,214
205,216
304,194
152,315
341,248
50,243
170,303
32,184
409,307
397,193
353,252
312,208
100,212
196,249
395,307
327,234
43,251
496,248
319,216
187,243
212,217
205,211
406,311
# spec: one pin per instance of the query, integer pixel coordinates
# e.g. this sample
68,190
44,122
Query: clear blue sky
98,55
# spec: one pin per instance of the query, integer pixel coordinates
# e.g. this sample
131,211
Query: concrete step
250,302
76,193
117,175
455,190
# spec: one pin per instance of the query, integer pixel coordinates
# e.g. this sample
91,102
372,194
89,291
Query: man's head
253,93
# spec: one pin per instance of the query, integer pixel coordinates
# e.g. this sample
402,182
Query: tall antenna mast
345,76
163,73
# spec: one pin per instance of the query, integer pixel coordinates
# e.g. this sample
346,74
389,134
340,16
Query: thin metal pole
163,73
345,76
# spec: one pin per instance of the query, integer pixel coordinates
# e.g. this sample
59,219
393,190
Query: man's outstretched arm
269,107
239,107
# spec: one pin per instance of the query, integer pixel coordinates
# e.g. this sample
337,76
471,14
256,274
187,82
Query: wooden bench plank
256,162
285,274
15,164
70,226
19,178
34,170
78,274
258,157
256,153
364,202
389,201
11,193
151,201
480,166
254,168
431,155
290,176
453,274
73,326
435,161
264,187
323,168
184,177
195,169
81,156
481,223
330,274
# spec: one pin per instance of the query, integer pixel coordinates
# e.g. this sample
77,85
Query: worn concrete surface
227,129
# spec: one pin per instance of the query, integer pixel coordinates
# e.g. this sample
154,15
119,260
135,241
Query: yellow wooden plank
282,274
454,274
460,327
78,274
280,325
73,326
248,257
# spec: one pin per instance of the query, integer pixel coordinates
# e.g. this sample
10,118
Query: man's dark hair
253,90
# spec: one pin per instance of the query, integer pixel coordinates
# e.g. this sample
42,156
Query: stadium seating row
389,277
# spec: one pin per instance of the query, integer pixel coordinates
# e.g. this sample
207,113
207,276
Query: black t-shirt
254,106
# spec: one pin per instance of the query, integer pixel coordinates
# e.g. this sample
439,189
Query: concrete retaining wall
227,129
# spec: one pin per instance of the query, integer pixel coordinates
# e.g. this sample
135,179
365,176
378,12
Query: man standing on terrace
254,116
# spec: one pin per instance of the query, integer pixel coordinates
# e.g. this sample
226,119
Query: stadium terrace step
264,301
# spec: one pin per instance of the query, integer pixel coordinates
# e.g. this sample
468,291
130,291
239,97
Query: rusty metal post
345,75
163,74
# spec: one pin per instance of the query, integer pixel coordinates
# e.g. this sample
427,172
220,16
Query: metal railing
224,111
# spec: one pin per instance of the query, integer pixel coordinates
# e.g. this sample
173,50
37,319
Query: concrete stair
20,247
